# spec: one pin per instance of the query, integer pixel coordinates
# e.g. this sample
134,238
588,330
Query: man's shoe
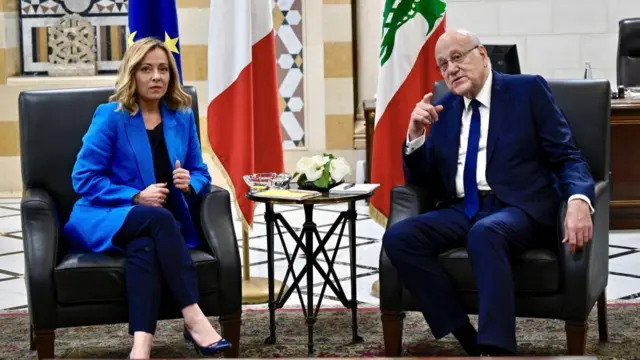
467,337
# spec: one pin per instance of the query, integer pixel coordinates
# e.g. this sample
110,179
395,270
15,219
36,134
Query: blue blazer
115,163
532,162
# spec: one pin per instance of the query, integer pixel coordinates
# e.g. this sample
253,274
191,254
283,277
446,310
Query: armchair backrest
586,104
628,64
52,124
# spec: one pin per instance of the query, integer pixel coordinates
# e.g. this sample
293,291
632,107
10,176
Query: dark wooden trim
625,179
624,217
625,214
369,106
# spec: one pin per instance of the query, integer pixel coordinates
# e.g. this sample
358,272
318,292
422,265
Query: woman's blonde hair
126,94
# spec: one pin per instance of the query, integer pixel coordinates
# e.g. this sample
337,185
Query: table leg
309,229
305,242
351,218
269,218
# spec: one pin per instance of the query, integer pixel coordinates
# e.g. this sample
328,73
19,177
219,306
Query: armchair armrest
40,229
586,271
406,201
217,226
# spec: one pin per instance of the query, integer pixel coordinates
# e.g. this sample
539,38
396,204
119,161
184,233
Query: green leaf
322,182
302,179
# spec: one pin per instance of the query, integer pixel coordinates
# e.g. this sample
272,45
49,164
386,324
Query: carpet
332,337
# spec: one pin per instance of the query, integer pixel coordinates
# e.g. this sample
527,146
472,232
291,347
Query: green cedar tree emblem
404,10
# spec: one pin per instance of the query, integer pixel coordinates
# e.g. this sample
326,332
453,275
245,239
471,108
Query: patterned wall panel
108,16
110,20
287,22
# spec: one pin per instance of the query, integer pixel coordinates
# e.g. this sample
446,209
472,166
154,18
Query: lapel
139,141
452,144
173,142
169,122
499,100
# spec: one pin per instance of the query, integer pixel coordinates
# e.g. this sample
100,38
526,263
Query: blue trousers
495,234
157,260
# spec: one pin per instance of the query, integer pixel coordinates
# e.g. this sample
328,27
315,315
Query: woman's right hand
155,195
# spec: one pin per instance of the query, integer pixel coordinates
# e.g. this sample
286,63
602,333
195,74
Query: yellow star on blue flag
158,19
171,43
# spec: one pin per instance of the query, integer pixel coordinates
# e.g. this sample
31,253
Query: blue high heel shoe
214,348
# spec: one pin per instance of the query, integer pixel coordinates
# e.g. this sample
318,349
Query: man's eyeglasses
456,58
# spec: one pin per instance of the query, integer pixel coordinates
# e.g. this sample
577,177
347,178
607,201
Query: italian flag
407,71
243,116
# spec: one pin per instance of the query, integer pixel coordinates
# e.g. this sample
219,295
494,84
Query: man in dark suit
500,156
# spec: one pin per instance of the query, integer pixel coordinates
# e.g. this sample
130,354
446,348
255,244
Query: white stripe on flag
229,43
410,39
261,19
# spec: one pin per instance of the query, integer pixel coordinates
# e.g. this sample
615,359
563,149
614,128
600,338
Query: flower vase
308,185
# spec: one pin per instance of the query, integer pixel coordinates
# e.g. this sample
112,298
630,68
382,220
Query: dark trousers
496,233
157,259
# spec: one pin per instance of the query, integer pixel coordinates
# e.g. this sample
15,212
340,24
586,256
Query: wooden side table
312,246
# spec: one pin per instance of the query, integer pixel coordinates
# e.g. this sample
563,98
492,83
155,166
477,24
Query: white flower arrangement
321,171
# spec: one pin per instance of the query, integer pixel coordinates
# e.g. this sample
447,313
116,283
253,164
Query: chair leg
576,337
32,342
44,339
602,317
231,331
392,322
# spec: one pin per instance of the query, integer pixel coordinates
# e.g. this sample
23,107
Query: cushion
99,277
534,271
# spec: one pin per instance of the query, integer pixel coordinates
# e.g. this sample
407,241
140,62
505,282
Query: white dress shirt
484,98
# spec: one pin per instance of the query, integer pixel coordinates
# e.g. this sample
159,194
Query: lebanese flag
243,117
407,71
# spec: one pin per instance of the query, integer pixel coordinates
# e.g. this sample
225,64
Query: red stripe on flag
391,130
266,111
244,123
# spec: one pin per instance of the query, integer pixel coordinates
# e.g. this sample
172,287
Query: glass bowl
259,180
282,181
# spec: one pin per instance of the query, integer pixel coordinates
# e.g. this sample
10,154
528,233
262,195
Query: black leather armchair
549,284
629,52
68,290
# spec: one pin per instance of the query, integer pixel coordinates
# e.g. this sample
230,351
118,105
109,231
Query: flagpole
246,274
254,290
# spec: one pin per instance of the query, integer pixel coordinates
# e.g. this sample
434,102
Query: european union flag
155,18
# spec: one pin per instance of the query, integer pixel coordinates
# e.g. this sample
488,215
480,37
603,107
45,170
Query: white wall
369,33
554,37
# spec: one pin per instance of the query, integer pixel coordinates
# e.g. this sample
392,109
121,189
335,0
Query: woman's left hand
181,178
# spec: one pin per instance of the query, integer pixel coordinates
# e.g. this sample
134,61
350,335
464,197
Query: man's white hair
475,40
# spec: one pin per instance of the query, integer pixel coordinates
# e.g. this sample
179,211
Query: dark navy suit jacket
532,162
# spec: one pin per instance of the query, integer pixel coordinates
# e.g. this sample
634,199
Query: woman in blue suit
139,169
